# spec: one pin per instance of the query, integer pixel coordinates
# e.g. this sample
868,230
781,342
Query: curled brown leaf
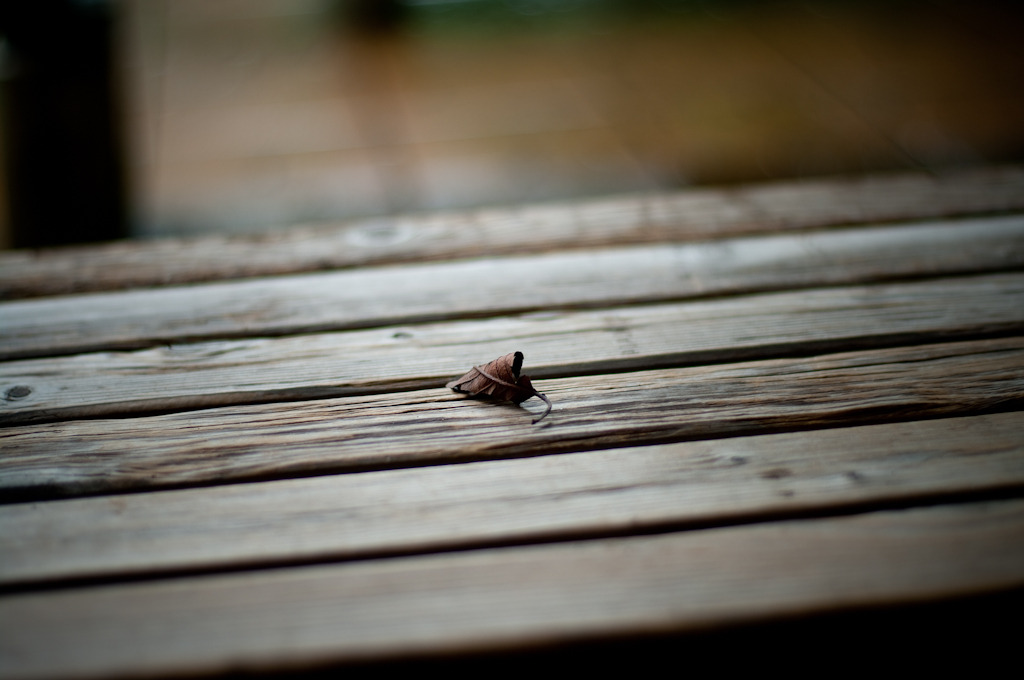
500,380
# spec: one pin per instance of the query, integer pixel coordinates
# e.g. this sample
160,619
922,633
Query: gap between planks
693,214
383,296
260,370
428,427
570,496
510,597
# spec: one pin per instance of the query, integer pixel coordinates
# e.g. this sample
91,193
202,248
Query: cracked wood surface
811,410
413,293
544,498
436,426
556,344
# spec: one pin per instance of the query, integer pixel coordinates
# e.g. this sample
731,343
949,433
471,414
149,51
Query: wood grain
434,426
557,344
800,407
694,214
451,602
439,508
491,287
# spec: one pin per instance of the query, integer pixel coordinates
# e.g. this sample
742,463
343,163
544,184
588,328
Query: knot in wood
17,392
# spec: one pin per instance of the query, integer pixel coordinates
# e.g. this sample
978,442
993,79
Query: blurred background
154,118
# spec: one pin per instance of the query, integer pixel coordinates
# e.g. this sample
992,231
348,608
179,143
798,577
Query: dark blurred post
62,133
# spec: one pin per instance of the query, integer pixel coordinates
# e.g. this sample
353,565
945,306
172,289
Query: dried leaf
500,380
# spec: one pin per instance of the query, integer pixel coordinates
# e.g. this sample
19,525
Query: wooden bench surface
770,402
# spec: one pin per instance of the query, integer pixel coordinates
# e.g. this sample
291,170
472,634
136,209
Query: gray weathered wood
686,215
887,372
556,344
490,287
571,495
433,426
491,598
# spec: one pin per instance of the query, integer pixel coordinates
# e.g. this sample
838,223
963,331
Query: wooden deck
773,404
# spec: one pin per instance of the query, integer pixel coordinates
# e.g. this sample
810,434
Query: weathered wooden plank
433,426
513,596
556,344
517,501
415,293
681,216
